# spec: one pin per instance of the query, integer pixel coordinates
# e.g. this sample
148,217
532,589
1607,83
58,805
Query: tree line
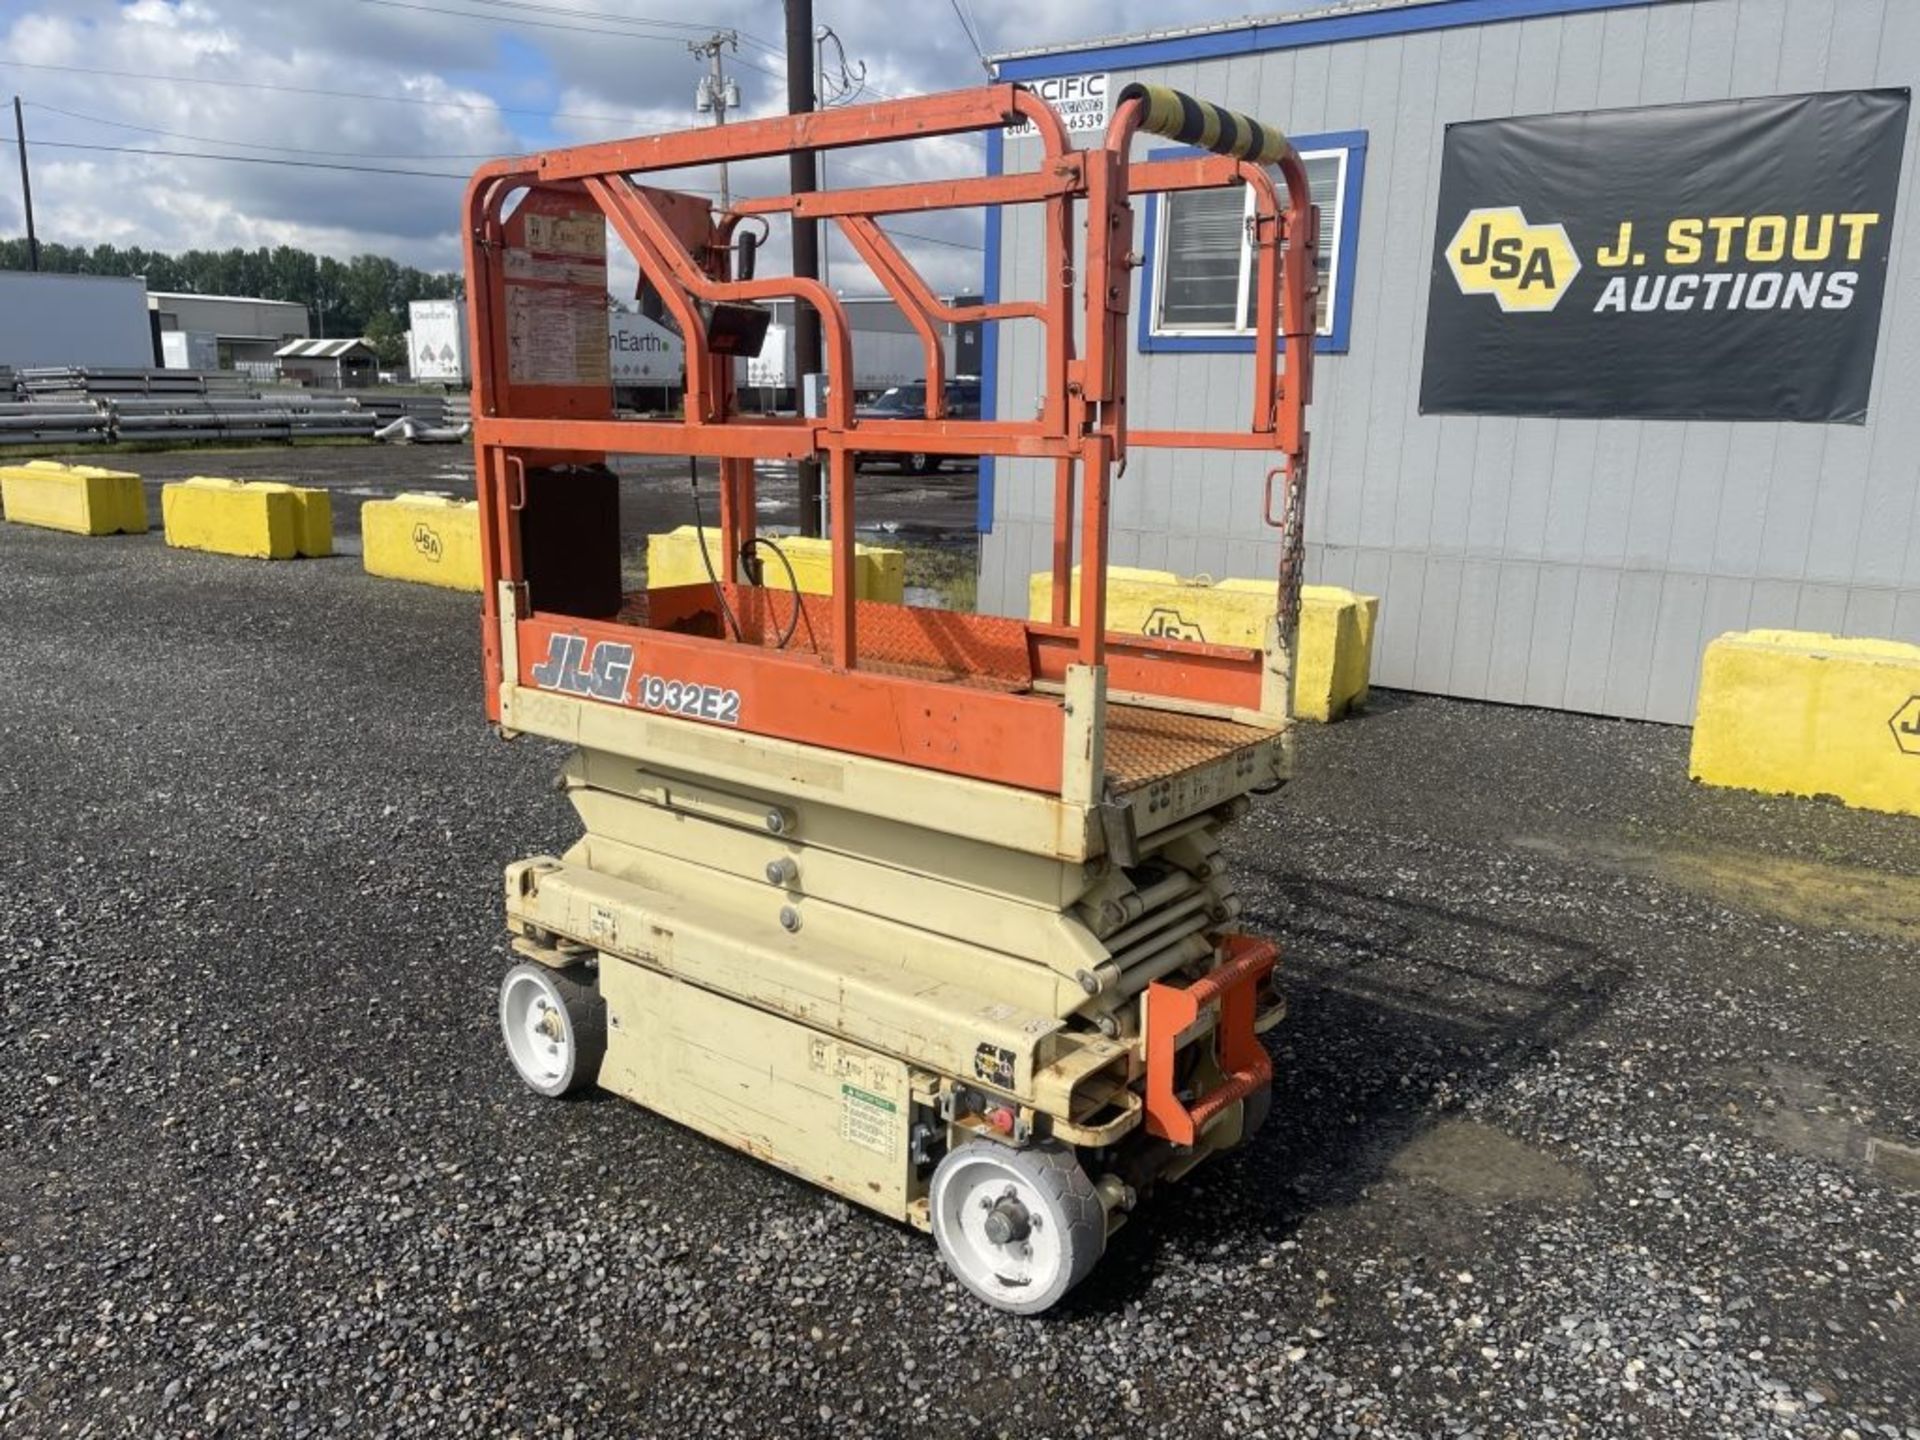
366,295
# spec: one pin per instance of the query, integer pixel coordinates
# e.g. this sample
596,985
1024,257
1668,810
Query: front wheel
1019,1228
555,1026
920,463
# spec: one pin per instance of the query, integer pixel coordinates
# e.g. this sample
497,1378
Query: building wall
98,320
1570,564
249,329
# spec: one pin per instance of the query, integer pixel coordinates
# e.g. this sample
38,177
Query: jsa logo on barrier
1527,268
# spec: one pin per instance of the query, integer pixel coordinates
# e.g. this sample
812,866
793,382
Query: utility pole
717,94
26,185
802,179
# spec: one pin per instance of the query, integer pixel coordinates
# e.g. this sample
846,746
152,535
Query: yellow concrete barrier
879,573
1336,626
80,499
1790,713
257,519
428,539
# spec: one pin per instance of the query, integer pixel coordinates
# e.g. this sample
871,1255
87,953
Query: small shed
328,364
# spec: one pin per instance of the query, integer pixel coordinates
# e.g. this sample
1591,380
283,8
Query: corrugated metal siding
1571,564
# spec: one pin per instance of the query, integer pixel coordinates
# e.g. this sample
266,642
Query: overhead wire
237,159
488,109
690,27
674,39
517,20
931,239
335,160
365,170
980,35
967,30
251,144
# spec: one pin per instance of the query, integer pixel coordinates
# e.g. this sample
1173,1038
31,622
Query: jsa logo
1524,267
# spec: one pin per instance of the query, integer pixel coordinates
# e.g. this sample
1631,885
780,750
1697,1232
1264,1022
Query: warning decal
556,292
868,1120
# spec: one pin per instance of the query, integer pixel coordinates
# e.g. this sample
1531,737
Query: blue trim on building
1354,142
990,333
1293,34
1282,34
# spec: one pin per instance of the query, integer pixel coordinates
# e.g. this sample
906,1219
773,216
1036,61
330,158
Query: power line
770,74
364,170
980,32
370,170
932,239
250,144
551,25
507,20
967,30
684,26
240,159
309,90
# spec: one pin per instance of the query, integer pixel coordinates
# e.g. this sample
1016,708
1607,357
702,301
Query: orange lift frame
969,695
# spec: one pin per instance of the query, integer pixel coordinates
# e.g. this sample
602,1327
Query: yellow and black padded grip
1178,116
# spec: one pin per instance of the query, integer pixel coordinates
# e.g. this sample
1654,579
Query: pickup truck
909,402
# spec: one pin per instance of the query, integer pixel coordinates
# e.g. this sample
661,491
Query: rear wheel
1019,1228
919,463
555,1026
1254,1112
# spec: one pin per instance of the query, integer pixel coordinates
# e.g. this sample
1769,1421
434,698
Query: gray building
247,330
93,320
1580,564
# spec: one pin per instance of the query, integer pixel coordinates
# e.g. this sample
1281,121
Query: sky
435,86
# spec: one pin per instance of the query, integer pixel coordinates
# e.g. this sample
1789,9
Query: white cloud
628,83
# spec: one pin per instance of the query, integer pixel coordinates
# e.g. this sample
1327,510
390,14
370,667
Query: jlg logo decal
1524,267
603,670
573,668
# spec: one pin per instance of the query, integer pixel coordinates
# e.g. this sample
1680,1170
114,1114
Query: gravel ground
1581,1127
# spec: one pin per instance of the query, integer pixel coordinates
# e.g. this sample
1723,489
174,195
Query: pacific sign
1081,102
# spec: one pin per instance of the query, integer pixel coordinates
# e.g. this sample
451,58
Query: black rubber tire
576,994
1253,1116
920,464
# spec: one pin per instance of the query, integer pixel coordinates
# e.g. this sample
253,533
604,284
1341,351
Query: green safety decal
868,1120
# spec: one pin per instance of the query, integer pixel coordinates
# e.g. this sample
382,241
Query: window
1199,273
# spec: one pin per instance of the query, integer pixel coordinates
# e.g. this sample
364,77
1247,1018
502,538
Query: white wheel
1019,1228
555,1027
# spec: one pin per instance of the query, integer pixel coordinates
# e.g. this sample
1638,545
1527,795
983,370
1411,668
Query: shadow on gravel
1397,1006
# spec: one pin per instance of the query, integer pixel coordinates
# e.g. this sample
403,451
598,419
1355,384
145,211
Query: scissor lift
926,907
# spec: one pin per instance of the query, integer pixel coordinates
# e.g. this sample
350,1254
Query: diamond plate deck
1144,745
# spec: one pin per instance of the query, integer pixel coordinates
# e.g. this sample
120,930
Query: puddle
1799,1111
1802,892
1485,1166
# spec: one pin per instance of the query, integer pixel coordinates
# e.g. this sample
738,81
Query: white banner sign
437,343
643,353
1081,102
770,366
